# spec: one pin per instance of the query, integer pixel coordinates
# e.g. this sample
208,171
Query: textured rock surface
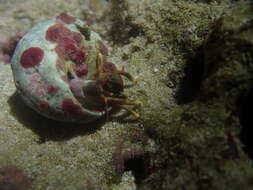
194,65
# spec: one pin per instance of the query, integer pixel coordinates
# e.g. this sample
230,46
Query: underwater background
194,64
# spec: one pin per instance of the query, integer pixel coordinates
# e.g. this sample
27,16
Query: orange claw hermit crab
60,69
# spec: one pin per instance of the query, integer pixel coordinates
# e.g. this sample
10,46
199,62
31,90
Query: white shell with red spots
38,67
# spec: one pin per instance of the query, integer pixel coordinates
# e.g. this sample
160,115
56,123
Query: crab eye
92,89
113,84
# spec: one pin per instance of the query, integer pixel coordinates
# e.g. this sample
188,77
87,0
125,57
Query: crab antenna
98,65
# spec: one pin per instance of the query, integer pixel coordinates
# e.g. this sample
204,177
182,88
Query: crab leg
136,115
128,76
120,101
123,103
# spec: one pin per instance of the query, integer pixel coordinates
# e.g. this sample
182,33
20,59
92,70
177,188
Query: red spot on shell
53,33
31,57
57,32
78,57
77,37
68,43
52,89
65,18
44,105
81,70
69,107
65,48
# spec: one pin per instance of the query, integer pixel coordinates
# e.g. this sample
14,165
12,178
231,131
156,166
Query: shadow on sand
48,129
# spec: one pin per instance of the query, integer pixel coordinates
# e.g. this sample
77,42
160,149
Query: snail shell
41,64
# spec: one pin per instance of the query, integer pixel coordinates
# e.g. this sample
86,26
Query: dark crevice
135,160
190,84
247,123
139,165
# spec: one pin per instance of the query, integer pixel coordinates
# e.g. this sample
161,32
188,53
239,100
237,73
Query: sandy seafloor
188,139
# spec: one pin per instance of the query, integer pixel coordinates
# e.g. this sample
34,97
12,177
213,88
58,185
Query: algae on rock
198,141
193,60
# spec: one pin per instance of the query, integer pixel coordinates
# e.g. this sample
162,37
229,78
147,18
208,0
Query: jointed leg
123,103
129,77
120,101
136,115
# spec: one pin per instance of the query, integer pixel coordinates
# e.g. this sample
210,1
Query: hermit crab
61,70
